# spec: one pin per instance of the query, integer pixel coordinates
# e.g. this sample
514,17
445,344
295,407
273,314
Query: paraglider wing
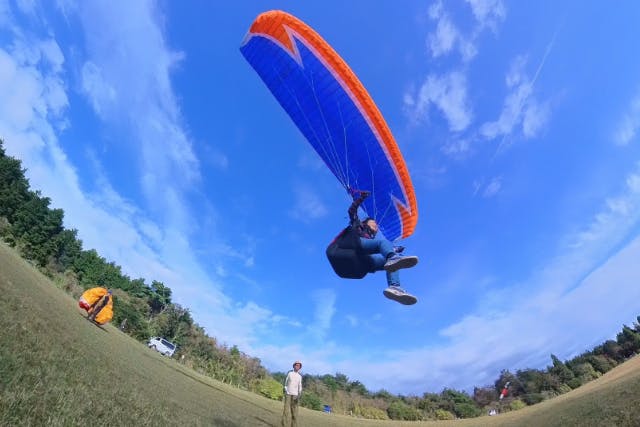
92,295
103,312
335,113
98,303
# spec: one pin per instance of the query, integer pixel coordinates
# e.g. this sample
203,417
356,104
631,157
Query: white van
161,345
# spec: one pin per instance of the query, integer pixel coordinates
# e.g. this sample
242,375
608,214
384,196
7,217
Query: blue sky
519,123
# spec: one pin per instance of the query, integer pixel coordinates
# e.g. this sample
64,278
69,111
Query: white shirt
293,383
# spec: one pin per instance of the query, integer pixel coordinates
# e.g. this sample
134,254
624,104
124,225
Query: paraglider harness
98,306
346,256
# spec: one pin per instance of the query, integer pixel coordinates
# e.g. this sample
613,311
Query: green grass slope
58,369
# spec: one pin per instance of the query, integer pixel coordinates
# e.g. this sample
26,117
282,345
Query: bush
369,412
574,383
467,410
311,400
270,388
401,411
441,414
533,398
517,404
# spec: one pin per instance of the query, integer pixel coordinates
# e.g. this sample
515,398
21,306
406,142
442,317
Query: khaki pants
290,410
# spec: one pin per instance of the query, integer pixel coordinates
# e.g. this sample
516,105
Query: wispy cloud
352,320
629,125
457,147
448,93
487,190
120,38
324,300
520,109
447,36
520,106
488,13
34,103
614,221
493,187
308,205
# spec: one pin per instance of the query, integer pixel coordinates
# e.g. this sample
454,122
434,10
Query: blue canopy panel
337,116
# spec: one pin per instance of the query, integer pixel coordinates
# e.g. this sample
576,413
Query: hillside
56,368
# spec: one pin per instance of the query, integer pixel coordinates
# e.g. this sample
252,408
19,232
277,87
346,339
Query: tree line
142,310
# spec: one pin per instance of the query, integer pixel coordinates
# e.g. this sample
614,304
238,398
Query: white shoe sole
404,299
405,262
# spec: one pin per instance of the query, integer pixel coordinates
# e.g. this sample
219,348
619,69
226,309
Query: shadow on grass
97,325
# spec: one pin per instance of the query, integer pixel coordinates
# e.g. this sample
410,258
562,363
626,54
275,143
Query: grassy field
58,369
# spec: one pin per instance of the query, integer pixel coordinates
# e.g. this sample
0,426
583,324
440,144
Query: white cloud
444,38
520,109
535,118
32,96
448,93
488,13
629,124
97,89
447,36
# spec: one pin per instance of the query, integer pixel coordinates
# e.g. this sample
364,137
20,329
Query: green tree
330,382
132,309
174,323
460,403
612,350
601,363
560,370
160,296
35,227
483,396
68,249
629,341
14,187
384,395
515,388
358,388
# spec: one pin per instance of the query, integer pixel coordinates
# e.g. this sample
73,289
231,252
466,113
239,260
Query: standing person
357,251
292,392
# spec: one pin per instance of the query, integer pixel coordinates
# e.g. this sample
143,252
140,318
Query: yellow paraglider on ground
98,303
